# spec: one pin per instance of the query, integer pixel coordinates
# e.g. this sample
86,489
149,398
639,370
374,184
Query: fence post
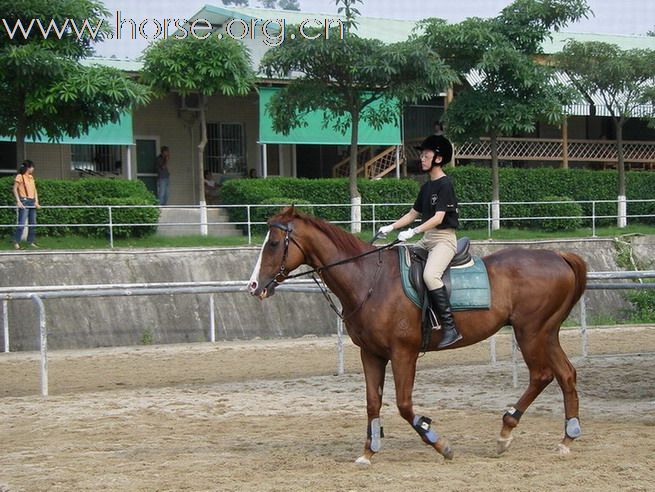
583,325
492,350
111,229
373,216
489,220
515,374
43,332
212,320
340,363
593,218
5,323
249,228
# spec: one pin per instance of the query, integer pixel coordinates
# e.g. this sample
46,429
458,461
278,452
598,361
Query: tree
44,89
624,81
203,66
344,76
514,91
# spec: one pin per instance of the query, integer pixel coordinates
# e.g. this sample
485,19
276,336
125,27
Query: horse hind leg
541,375
566,378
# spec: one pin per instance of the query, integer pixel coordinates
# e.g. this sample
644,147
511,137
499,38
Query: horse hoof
563,449
503,444
445,450
362,460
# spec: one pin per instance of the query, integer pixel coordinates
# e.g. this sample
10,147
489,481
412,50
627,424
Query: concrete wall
92,322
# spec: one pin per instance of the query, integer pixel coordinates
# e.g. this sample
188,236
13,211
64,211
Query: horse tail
579,268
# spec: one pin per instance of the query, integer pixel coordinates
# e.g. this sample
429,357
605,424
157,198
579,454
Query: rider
437,205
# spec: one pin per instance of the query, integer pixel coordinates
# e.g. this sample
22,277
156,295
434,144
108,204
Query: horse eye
273,244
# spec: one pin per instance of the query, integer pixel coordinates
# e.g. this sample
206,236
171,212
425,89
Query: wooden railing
639,155
374,167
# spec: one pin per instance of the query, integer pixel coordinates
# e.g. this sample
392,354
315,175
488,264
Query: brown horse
531,290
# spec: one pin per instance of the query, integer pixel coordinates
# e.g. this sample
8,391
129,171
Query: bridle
283,273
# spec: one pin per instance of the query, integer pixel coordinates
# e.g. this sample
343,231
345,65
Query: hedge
88,191
472,184
316,192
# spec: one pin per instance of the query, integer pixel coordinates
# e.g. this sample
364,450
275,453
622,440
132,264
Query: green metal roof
386,30
625,42
124,64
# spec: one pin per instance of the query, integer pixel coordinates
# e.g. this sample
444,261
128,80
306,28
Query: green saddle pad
469,285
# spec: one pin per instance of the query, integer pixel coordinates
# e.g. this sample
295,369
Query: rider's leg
444,245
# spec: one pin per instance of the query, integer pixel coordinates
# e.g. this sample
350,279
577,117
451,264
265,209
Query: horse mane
344,241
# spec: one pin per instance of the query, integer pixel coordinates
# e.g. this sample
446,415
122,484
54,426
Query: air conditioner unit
191,102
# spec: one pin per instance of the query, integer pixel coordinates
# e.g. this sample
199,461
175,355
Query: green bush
272,206
643,302
473,185
93,192
567,215
317,192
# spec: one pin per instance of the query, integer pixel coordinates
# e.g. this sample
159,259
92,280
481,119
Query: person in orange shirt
27,201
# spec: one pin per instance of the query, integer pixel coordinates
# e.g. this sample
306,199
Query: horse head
281,253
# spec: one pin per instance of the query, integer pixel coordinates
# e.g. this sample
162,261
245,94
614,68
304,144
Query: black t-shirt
438,196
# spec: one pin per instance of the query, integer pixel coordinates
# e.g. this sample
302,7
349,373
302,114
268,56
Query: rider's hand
408,234
384,230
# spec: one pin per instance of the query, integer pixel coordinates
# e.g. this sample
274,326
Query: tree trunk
201,167
355,197
20,137
622,219
495,183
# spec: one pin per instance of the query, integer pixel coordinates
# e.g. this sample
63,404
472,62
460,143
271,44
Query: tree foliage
44,89
267,4
513,90
623,79
343,75
193,65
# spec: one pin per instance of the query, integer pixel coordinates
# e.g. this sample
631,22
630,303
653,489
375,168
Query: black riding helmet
441,146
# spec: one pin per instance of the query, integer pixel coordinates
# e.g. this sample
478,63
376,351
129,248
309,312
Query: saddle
465,279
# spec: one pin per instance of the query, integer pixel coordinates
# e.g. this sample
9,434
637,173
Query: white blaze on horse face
253,283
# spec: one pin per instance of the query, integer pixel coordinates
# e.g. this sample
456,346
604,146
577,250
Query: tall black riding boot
441,303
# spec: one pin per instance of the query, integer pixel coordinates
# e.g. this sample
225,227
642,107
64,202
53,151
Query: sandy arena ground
271,415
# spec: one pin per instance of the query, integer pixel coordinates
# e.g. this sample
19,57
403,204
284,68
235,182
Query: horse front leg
374,370
404,371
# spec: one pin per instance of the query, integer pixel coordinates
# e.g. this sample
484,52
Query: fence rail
38,293
373,210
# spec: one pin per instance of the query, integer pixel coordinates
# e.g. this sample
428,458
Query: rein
319,270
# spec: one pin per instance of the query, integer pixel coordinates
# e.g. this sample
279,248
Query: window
8,164
225,152
98,158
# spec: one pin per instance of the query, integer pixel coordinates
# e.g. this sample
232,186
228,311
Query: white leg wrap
376,441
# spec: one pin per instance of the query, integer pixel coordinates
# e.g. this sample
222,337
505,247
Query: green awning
119,133
315,134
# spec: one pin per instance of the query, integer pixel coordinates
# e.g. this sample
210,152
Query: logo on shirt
434,199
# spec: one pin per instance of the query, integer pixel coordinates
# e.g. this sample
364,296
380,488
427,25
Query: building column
565,143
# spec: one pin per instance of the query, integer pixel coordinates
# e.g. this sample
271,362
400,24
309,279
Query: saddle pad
469,284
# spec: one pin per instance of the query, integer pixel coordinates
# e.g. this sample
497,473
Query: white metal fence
376,214
38,294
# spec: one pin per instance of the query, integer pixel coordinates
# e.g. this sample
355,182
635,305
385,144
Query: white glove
408,234
384,230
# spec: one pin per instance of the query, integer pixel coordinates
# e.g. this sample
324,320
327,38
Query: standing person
163,175
436,204
27,201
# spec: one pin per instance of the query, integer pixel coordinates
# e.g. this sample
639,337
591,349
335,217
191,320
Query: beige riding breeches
442,246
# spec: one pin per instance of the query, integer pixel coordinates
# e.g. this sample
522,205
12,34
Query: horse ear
292,210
